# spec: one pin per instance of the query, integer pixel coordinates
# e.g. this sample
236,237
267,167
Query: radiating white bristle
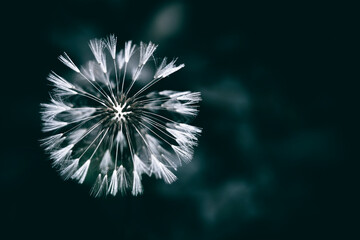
129,50
146,51
139,166
123,179
80,174
97,48
106,162
137,186
161,171
111,45
52,142
113,186
70,169
165,70
65,59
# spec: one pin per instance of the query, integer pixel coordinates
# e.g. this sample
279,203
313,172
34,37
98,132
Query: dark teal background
271,160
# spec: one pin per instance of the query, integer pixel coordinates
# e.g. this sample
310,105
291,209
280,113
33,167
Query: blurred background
270,161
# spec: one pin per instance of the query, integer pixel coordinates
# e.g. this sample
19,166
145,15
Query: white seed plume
129,50
146,51
111,45
108,131
123,179
97,48
80,174
165,70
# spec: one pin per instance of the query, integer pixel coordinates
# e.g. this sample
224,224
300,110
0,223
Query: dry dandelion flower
104,131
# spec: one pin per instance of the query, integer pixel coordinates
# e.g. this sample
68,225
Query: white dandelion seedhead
109,131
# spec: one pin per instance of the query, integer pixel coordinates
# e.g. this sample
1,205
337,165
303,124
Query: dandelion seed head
107,129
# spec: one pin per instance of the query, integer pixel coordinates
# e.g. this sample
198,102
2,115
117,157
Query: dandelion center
120,112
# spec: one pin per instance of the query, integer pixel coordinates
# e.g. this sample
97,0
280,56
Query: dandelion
108,129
